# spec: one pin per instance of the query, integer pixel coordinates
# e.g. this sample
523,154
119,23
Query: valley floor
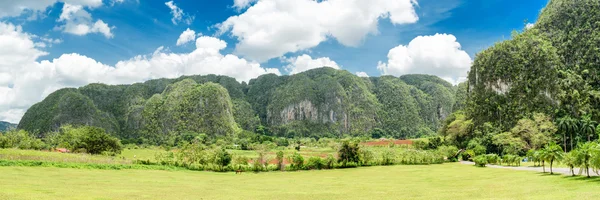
446,181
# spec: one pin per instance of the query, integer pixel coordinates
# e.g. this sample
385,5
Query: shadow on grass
595,179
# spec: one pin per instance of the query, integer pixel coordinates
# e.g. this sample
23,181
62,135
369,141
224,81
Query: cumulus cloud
79,22
271,28
178,14
25,81
439,55
305,62
185,37
13,8
362,74
241,4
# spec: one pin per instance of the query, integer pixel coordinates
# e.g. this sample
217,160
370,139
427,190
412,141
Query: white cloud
79,22
13,8
271,28
362,74
305,62
439,55
178,14
529,25
241,4
185,37
25,81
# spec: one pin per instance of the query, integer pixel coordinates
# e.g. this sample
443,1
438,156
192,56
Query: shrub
388,157
448,152
222,157
421,144
330,162
315,163
349,152
297,161
366,157
480,161
492,158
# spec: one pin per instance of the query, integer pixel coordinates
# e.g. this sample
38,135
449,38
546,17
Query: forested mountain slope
322,102
551,68
4,126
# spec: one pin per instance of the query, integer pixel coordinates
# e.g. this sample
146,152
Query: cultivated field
445,181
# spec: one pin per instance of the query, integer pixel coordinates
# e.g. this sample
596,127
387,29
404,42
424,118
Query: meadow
442,181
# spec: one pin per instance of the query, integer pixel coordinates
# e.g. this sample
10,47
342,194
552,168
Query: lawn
447,181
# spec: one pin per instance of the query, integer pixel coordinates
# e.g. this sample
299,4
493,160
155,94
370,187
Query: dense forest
542,86
4,126
318,103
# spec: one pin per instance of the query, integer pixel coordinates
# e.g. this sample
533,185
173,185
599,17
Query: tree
588,127
542,154
585,152
349,152
553,152
222,157
570,159
568,125
95,141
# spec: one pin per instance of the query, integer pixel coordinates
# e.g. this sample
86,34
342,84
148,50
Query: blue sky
400,39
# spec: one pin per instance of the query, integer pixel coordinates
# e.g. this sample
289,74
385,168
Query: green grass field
447,181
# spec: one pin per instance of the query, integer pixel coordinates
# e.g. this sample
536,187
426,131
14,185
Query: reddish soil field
387,142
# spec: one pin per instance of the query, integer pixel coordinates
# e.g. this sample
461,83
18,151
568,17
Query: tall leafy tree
588,127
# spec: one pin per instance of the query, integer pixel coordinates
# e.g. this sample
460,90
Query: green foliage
317,103
480,161
348,153
20,139
296,161
506,74
492,158
553,152
280,160
315,163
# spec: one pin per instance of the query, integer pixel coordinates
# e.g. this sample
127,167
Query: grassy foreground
447,181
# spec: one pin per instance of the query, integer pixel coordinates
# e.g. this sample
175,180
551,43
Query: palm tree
573,126
563,126
542,154
553,152
585,153
570,159
588,127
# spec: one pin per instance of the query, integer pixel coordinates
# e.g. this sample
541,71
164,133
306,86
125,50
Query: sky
46,45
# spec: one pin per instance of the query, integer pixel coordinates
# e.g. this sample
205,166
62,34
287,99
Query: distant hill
322,102
4,126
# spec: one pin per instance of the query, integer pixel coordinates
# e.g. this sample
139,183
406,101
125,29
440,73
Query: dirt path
564,171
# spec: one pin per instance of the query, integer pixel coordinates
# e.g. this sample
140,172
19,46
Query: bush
480,161
366,157
421,144
349,152
296,161
492,158
388,157
95,140
449,152
330,162
315,163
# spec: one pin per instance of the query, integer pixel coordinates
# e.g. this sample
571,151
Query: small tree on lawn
553,152
585,153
